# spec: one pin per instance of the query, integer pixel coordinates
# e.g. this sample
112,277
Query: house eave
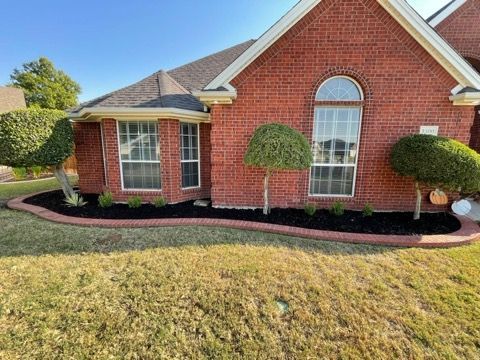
466,99
210,98
98,113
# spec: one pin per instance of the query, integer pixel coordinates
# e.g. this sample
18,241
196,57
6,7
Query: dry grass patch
72,292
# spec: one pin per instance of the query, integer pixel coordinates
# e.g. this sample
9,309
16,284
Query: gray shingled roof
171,89
198,74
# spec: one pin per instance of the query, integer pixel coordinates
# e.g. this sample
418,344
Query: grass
71,292
12,190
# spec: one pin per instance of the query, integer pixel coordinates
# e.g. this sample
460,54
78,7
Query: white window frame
138,161
339,105
190,161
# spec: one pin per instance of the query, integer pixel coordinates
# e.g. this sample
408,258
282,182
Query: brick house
352,75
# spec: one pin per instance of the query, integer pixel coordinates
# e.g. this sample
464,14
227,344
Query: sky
107,44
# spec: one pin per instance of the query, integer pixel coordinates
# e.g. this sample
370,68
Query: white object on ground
462,207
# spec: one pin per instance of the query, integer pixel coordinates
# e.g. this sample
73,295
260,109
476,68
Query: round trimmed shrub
277,147
437,161
34,137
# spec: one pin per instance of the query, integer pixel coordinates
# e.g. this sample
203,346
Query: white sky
427,7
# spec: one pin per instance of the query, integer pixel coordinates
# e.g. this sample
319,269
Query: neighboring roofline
444,13
405,15
98,113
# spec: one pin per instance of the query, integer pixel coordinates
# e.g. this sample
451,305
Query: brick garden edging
469,232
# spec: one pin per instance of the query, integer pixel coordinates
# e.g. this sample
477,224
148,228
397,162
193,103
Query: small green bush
134,202
368,210
159,202
36,171
337,208
19,173
75,200
310,209
105,200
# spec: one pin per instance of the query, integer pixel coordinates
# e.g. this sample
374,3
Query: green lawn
82,293
11,190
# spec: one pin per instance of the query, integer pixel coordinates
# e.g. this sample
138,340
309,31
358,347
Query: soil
389,223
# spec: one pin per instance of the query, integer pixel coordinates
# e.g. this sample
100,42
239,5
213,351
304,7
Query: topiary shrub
437,162
277,147
37,136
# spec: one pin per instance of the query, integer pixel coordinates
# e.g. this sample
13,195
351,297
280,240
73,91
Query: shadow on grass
23,234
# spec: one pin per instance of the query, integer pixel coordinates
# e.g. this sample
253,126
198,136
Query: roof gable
405,15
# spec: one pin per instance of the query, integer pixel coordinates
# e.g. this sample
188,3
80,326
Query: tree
32,137
436,161
45,86
277,147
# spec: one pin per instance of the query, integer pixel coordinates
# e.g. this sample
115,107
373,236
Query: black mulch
392,223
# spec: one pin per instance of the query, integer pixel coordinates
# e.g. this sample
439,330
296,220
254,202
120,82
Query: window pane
141,176
189,151
190,174
332,180
335,135
140,155
339,89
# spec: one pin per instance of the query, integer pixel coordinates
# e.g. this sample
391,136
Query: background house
10,99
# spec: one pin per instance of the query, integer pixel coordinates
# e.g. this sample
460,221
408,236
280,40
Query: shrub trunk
418,205
266,193
62,178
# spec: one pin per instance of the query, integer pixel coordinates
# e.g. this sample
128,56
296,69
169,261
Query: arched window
336,135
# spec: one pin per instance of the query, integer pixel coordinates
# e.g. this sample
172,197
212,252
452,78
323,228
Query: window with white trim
139,155
190,159
336,135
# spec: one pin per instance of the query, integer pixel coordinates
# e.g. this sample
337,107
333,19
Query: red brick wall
88,151
404,88
462,29
170,162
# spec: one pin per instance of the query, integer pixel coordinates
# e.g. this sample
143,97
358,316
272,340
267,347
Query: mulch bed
382,223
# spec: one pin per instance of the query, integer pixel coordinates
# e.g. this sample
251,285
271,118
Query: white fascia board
415,25
215,97
466,99
264,42
447,12
432,42
97,113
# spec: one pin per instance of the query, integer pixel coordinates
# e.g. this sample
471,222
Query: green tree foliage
45,86
35,137
437,161
276,147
